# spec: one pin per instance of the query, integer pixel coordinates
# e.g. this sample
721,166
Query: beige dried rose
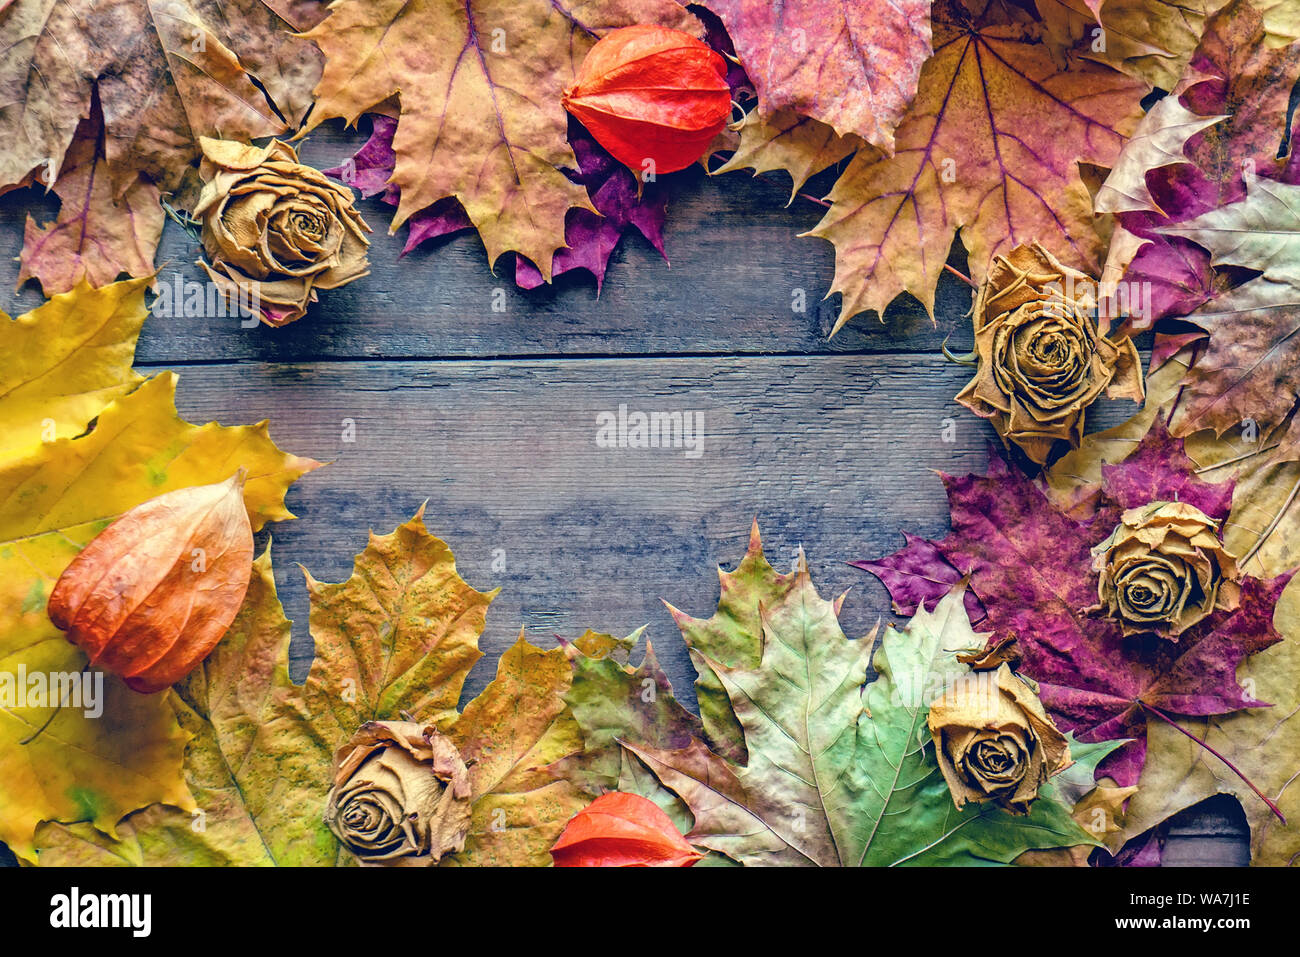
994,741
1164,568
274,230
1042,361
401,795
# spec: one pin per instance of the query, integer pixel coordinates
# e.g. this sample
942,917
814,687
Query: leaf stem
961,275
1235,770
968,359
1201,470
1272,526
182,219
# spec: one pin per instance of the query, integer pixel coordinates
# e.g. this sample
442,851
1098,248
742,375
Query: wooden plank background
490,417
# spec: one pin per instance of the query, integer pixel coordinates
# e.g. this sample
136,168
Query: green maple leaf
732,638
841,772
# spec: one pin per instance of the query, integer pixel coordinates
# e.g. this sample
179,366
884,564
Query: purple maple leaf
591,238
1030,566
1233,73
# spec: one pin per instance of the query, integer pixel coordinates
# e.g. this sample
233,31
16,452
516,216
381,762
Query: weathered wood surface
831,452
736,264
491,418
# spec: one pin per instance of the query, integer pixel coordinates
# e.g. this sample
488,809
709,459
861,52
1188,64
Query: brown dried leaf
167,71
801,146
100,232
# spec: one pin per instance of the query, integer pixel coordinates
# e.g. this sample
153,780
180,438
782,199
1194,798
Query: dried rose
274,230
651,95
1164,568
152,594
994,741
1042,361
622,830
401,795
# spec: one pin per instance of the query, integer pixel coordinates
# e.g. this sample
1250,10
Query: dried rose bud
1163,569
1042,361
401,795
651,94
995,742
274,230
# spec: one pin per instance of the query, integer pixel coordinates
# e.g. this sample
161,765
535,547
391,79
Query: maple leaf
1131,43
1031,566
1158,141
100,232
590,237
1151,39
511,732
65,360
733,638
508,59
841,772
1261,744
853,67
399,636
57,495
1235,73
1248,369
611,701
801,146
166,72
991,148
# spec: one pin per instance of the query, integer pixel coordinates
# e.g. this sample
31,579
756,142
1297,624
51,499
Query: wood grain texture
737,262
491,417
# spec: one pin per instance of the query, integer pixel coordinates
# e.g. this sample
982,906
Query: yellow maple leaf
57,495
65,360
399,636
990,147
480,85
